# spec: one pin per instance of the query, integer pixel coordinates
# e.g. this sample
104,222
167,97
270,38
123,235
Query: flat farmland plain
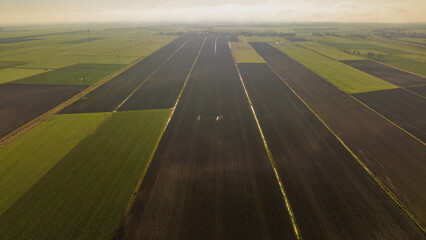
109,95
20,103
332,196
210,177
86,194
390,74
162,89
401,107
393,156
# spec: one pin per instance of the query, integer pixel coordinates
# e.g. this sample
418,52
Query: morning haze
184,11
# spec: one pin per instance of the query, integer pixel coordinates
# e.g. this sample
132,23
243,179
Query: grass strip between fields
271,158
85,195
244,53
344,77
24,161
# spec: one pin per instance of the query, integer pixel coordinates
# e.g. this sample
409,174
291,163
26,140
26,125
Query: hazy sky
214,11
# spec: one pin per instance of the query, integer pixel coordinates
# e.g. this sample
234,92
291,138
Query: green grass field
334,53
11,74
404,57
90,73
25,160
10,64
86,194
341,75
244,53
83,40
108,46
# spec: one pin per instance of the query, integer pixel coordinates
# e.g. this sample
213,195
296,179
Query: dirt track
394,156
401,107
210,177
387,73
20,103
109,95
331,195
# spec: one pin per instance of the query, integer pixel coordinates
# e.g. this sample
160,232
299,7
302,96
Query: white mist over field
211,11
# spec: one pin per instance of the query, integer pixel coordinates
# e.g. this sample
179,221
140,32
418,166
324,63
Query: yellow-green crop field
85,195
344,77
244,53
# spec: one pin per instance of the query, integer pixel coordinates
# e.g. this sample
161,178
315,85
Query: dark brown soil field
210,177
233,38
401,107
332,196
163,88
387,73
20,103
393,155
109,95
421,90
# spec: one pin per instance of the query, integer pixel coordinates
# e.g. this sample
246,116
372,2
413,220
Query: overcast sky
212,11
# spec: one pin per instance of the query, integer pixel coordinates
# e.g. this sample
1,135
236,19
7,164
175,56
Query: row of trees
378,57
247,34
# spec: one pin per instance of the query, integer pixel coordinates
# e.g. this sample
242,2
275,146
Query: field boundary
412,92
360,162
350,94
364,58
270,156
398,68
29,125
139,183
149,76
396,125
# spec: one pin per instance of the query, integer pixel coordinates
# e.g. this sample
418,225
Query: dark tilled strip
386,73
210,177
20,103
332,196
401,107
109,95
395,158
162,89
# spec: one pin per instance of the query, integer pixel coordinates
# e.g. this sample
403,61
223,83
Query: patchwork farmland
208,133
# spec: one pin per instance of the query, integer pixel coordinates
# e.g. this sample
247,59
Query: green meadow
244,53
341,75
78,74
85,195
28,158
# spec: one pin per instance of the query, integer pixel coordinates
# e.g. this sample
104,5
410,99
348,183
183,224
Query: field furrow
331,194
399,106
210,177
109,95
395,158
